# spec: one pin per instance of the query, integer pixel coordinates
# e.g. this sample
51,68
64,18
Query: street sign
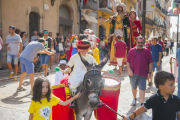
150,6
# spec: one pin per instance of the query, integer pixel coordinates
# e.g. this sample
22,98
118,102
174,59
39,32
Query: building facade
55,15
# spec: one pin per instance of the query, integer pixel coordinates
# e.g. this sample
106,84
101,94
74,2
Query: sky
173,21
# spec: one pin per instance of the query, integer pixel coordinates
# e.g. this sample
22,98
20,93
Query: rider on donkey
79,70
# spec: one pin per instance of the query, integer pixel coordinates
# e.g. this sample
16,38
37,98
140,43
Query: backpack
158,50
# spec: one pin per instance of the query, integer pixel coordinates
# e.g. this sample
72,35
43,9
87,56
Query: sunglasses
46,32
12,27
140,42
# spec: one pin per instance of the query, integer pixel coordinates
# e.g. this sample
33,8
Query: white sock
12,72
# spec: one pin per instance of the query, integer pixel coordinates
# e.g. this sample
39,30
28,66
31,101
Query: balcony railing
158,5
164,11
149,21
90,4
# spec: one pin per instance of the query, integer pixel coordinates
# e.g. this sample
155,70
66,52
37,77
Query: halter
95,88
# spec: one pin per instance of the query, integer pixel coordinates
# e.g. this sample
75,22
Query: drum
110,96
62,112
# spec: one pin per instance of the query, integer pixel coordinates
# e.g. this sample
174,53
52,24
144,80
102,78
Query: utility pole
80,7
144,18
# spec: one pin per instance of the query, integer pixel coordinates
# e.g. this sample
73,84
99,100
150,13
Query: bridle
95,87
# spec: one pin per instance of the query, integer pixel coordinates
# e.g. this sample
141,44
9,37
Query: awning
90,18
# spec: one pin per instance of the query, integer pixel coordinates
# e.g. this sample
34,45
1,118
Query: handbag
61,47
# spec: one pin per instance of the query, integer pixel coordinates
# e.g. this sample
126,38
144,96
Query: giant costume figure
120,24
136,27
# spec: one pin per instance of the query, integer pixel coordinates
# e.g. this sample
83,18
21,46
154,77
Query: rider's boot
72,104
100,103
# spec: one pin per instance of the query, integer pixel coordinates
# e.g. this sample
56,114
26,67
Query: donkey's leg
78,117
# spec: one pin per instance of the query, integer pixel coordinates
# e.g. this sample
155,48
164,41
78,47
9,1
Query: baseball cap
62,62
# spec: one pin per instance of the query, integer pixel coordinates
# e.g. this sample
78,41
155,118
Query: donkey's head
93,81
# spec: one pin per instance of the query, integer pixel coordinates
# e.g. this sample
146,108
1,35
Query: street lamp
178,4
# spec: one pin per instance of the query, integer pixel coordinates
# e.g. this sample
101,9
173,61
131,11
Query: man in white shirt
14,49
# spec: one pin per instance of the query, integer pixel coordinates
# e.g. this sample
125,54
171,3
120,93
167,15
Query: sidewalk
4,74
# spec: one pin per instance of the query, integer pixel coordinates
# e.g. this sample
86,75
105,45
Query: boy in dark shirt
164,104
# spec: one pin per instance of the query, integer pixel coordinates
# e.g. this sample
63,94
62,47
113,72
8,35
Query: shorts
119,61
57,51
138,81
12,57
44,59
26,66
158,68
0,54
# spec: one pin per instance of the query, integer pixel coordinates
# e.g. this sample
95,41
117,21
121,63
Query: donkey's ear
103,62
86,63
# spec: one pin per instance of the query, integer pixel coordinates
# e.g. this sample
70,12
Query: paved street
14,105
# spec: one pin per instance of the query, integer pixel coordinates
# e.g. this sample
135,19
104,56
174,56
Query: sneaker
133,102
11,75
15,79
21,89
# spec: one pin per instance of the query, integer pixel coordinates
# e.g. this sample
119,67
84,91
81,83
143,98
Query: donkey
91,90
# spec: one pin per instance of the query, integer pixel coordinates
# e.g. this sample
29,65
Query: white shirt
79,69
58,77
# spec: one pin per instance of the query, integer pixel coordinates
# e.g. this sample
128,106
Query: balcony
164,11
158,5
149,21
90,4
104,7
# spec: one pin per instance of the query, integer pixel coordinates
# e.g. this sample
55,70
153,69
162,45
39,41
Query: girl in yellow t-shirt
43,101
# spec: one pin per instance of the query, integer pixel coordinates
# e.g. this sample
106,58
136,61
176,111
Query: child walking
164,104
120,52
43,101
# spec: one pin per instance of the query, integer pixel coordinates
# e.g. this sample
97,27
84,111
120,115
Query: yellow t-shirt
43,110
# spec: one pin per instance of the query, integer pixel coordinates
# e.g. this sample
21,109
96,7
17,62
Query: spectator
179,44
167,47
156,51
25,40
171,46
59,74
67,52
59,42
35,36
52,56
1,48
160,42
45,57
120,46
164,105
26,60
101,48
148,44
12,42
39,35
67,43
139,66
18,31
178,61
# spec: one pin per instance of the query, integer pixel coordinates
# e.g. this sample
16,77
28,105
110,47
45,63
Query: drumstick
110,71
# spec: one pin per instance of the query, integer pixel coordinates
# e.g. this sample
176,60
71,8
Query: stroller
37,64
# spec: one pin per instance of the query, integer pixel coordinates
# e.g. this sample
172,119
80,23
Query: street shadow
14,99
